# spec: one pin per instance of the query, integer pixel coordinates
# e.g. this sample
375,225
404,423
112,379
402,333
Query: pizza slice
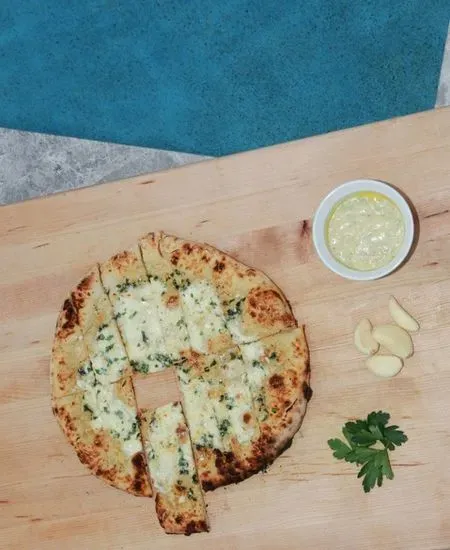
203,425
220,413
101,424
237,417
70,368
203,313
101,336
253,306
278,376
172,317
179,500
151,324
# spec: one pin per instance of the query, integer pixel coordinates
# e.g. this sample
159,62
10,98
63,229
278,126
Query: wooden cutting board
257,206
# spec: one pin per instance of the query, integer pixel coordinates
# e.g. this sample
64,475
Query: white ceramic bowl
320,223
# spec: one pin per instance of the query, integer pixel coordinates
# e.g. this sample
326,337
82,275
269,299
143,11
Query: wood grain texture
255,206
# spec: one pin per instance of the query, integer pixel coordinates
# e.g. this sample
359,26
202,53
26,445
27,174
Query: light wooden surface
254,206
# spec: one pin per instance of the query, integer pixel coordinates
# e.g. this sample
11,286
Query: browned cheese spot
307,391
173,301
175,257
276,381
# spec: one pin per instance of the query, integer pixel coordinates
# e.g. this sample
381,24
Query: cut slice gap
180,505
100,334
156,390
101,423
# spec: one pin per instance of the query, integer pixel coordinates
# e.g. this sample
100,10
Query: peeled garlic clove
384,365
363,338
394,339
401,316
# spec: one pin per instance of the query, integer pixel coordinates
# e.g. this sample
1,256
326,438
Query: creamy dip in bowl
363,229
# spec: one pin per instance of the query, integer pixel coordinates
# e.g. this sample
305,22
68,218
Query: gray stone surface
33,165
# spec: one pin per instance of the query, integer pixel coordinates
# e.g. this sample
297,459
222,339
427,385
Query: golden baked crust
69,364
99,448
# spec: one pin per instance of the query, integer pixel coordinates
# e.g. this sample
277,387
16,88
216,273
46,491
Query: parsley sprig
361,436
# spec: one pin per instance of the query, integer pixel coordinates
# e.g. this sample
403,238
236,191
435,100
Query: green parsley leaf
361,436
341,450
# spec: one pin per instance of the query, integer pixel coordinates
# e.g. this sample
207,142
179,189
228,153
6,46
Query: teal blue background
215,77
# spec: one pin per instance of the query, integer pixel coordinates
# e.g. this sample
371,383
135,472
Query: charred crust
196,527
109,474
82,291
138,486
138,462
84,456
247,417
208,485
228,466
123,258
178,519
159,505
187,248
219,266
307,391
140,481
68,319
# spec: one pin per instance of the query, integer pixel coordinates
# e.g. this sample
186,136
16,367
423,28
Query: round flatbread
241,361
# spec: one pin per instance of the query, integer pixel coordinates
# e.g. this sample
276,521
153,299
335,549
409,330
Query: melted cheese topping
234,321
170,459
203,314
200,413
154,333
86,376
235,327
231,407
256,375
256,365
174,328
234,367
137,310
111,414
253,352
365,231
108,357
